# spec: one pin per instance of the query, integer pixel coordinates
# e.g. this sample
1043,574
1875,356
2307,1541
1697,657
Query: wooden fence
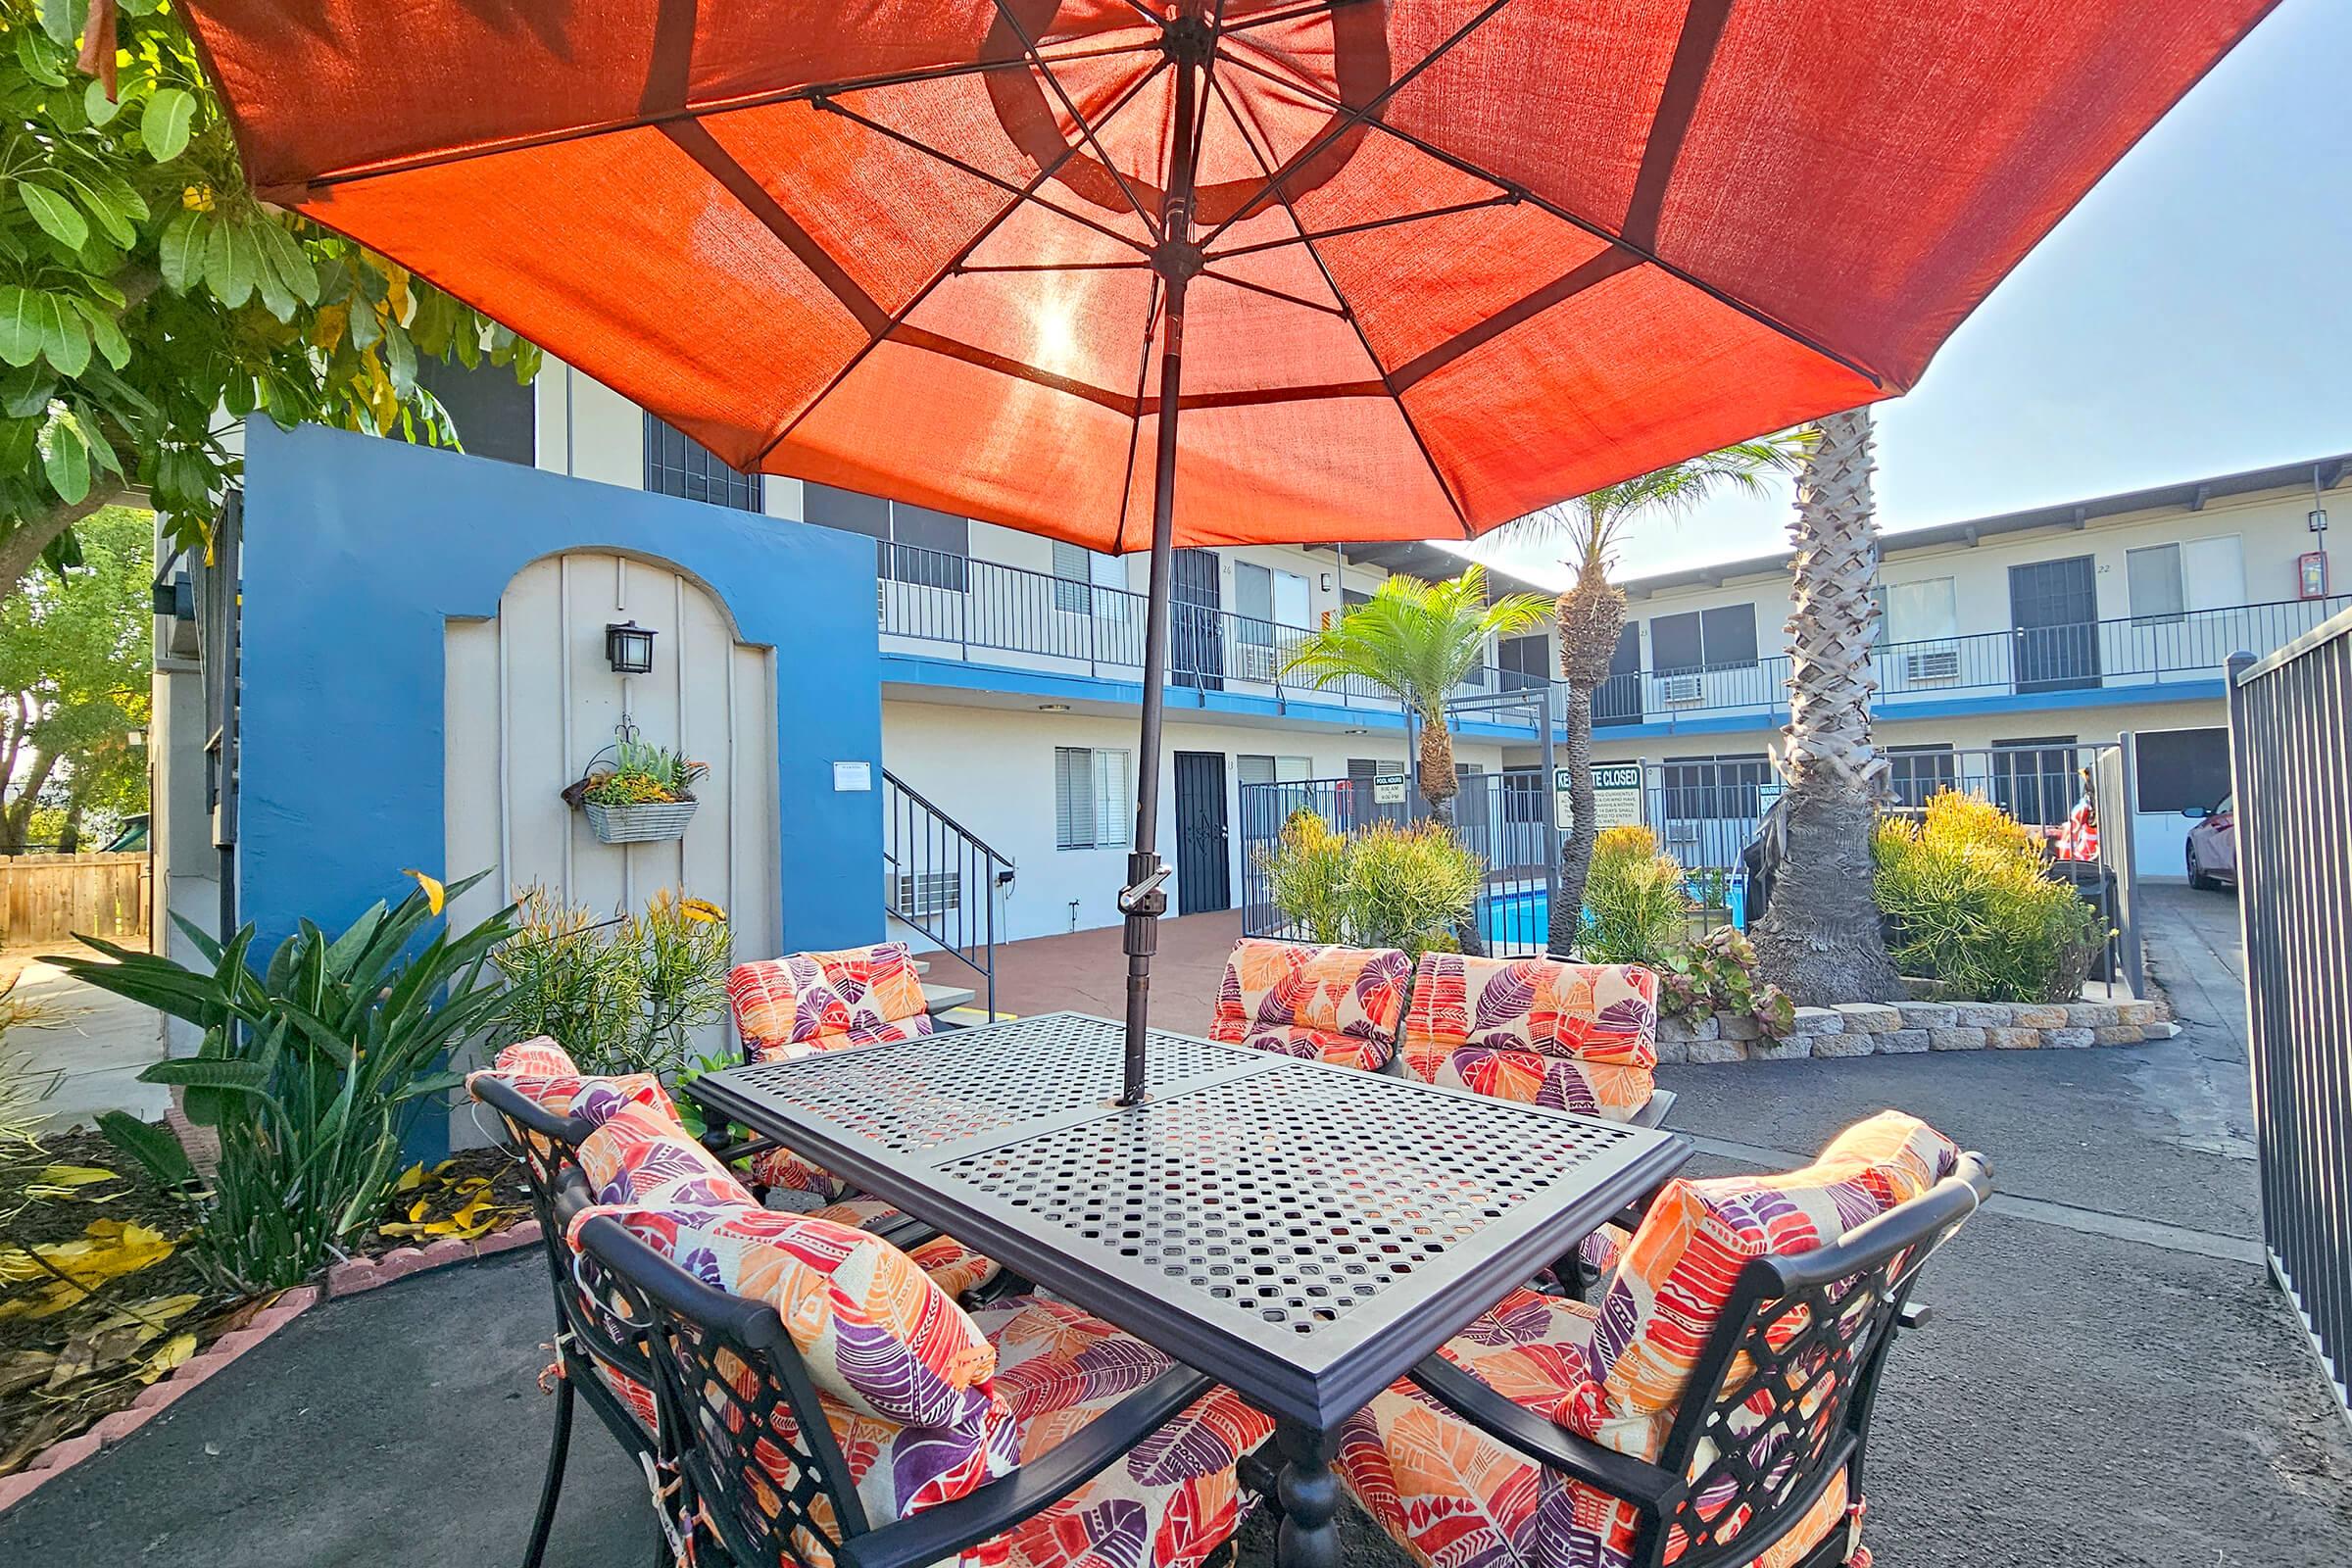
49,897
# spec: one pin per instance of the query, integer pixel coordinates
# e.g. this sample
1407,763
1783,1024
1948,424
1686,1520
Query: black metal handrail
937,871
986,607
2133,650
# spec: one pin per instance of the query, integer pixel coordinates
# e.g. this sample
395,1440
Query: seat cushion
1170,1503
1575,1037
1455,1498
953,1266
1335,1005
1676,1274
807,1002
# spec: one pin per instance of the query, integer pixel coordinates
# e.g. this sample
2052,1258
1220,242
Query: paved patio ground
2110,1379
1085,971
88,1053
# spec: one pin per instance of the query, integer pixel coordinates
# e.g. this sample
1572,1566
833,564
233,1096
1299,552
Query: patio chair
556,1120
1572,1036
1713,1411
1334,1005
807,1002
874,1424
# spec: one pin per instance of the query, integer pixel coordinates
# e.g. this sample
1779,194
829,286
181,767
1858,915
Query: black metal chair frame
1835,1310
693,1326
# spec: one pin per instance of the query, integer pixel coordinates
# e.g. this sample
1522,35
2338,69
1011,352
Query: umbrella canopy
1211,271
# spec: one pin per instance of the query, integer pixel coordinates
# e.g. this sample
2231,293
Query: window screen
914,544
1727,637
1073,566
496,417
2183,768
677,465
1674,643
1918,611
2157,592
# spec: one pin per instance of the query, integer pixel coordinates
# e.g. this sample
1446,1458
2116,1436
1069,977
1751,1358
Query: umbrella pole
1175,260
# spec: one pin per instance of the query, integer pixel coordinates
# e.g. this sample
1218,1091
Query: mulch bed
70,1357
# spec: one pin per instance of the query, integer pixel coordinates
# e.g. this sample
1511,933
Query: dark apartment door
2054,609
1202,879
1197,642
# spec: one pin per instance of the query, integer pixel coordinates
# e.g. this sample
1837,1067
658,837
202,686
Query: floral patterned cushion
905,1375
542,1072
953,1266
1455,1498
1169,1503
639,1157
1575,1037
1676,1274
1335,1005
804,1002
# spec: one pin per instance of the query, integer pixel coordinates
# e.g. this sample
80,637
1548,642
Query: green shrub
1966,902
1635,902
619,995
311,1072
1386,887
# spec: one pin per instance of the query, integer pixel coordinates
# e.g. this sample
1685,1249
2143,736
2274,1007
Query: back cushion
904,1373
1675,1276
857,996
542,1072
1357,992
1579,1037
642,1156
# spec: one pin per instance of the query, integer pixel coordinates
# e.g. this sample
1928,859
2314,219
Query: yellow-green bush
1636,904
1968,903
1386,887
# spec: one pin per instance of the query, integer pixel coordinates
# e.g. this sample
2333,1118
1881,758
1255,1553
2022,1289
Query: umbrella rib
1135,423
1307,237
807,93
1718,294
1027,194
1295,14
1413,426
1019,193
1271,292
1029,45
1670,122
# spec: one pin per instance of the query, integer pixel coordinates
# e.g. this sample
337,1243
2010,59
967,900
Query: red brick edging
343,1278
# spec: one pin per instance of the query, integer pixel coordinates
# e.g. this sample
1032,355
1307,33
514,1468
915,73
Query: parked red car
2212,845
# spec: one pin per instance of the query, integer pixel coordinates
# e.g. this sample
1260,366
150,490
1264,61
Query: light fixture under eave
628,648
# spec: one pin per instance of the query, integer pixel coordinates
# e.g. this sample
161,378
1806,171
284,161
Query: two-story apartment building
1013,665
2005,644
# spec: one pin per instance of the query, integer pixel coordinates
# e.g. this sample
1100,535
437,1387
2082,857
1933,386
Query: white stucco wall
991,769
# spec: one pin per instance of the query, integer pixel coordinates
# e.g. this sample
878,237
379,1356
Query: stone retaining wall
1868,1028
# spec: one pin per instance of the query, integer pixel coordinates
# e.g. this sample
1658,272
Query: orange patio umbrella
1211,271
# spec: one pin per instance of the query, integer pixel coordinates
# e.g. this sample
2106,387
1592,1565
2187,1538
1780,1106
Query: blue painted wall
356,553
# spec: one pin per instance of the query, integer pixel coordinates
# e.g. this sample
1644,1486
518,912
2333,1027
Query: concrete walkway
1085,971
2110,1379
89,1050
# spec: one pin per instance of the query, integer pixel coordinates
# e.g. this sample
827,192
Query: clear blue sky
2193,316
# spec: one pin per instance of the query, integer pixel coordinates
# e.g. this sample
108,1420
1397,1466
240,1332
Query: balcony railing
2141,650
987,612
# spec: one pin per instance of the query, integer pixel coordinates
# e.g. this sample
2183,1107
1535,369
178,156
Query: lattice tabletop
1304,1233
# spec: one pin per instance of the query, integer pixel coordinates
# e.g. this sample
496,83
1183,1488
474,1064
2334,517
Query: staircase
941,881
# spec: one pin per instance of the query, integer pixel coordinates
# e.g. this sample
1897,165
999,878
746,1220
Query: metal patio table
1304,1233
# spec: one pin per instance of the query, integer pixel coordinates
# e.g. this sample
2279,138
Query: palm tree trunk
1439,787
1576,854
1821,939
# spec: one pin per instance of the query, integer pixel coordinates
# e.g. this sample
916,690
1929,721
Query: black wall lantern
630,648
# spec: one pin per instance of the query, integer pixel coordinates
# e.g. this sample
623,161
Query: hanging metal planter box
651,823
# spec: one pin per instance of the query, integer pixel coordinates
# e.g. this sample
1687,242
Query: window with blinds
1093,797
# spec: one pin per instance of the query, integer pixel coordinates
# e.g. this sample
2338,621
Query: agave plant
311,1072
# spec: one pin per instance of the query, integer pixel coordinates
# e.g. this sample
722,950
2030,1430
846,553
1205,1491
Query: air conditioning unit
1925,667
1252,662
1682,689
925,894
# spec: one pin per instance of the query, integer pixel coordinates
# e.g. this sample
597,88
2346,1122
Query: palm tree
1591,615
1418,641
1821,940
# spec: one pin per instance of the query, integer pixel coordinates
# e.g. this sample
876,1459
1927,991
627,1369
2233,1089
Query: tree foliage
75,660
148,300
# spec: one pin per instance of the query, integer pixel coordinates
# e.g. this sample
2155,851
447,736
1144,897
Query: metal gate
2290,752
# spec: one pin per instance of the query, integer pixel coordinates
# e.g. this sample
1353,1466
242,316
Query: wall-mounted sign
851,776
1767,797
1616,795
1387,789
